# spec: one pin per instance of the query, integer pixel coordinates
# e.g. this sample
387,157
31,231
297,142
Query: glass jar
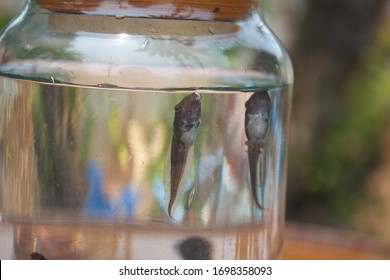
148,129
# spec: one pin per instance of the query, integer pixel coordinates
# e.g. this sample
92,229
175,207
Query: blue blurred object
126,204
97,204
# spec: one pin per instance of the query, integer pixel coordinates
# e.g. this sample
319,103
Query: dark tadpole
185,127
195,248
37,256
257,113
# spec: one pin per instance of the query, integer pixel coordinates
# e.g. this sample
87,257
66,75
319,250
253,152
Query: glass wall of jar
163,124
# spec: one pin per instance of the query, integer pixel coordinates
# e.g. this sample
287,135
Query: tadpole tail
262,176
179,154
253,157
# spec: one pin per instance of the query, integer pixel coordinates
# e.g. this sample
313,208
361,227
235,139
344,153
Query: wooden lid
227,10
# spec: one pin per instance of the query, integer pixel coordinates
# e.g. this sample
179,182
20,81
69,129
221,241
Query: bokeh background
339,165
339,159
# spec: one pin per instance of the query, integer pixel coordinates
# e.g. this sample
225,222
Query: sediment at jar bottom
55,242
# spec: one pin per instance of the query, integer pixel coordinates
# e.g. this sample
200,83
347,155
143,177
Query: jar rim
178,9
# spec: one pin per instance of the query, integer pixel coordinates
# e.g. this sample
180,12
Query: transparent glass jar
144,130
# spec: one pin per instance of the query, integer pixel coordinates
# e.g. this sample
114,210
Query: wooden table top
312,242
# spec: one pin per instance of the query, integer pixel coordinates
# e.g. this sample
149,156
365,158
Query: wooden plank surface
312,242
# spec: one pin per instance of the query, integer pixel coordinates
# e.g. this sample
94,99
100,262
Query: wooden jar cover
227,10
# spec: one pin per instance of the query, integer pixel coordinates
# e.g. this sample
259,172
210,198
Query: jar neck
219,10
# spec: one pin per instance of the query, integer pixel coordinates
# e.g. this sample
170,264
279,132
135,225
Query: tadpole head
259,102
189,107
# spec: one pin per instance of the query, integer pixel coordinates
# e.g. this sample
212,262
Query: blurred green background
339,159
